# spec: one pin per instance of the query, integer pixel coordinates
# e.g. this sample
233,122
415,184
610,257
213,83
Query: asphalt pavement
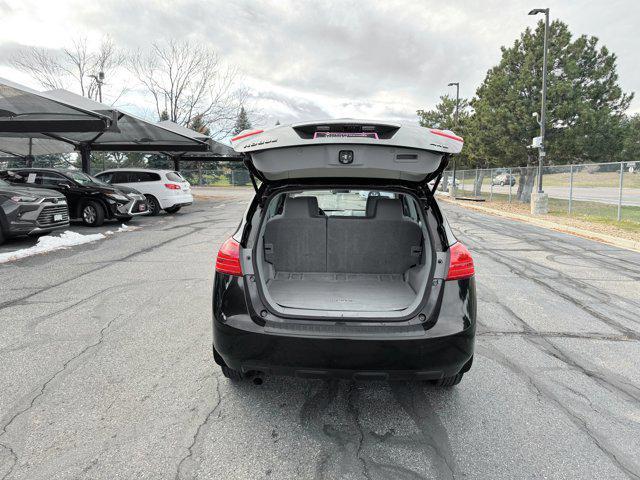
106,369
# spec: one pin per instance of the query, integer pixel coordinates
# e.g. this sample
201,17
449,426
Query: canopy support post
85,155
176,163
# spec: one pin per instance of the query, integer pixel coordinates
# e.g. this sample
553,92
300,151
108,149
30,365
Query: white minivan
165,189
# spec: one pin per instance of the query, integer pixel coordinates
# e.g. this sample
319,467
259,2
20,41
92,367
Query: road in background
107,370
608,195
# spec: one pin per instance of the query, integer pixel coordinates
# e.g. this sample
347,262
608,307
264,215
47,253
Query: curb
579,232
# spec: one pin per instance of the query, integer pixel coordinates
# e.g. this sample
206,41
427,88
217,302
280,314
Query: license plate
57,217
142,207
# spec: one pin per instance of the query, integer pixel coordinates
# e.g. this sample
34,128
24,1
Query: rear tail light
228,260
172,186
460,262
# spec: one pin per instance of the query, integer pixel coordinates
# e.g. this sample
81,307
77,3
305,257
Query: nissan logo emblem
345,157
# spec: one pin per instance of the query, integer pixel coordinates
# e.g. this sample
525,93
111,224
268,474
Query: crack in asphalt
42,388
619,459
564,280
355,413
348,446
537,333
196,436
415,403
151,248
610,380
205,224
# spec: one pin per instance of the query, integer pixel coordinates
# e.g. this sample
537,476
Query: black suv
90,200
344,264
30,211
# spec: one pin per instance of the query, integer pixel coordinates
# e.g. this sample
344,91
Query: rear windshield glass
174,177
343,202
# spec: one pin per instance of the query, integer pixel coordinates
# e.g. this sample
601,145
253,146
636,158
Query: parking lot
107,368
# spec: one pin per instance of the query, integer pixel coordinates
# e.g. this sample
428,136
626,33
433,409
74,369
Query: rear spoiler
348,131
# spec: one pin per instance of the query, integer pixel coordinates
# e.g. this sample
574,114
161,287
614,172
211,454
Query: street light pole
457,125
543,109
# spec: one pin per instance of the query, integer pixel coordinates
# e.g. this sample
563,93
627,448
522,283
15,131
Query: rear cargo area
354,255
339,291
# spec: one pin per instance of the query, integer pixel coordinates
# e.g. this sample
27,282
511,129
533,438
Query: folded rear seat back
386,243
296,240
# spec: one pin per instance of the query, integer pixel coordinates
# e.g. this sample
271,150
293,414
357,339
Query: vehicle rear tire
502,184
154,205
92,214
231,374
173,209
2,237
448,381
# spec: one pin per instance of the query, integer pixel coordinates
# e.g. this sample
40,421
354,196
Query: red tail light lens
172,186
228,260
460,262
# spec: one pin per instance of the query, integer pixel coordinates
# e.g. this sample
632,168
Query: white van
165,189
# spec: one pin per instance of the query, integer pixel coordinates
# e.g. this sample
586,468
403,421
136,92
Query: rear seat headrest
388,209
301,207
370,209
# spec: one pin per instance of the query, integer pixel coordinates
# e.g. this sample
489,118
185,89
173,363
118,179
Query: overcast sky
318,59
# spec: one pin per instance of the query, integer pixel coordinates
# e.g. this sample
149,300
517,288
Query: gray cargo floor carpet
339,291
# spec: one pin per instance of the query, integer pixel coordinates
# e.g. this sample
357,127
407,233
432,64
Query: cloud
303,59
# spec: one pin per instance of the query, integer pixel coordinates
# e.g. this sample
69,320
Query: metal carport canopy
29,146
24,110
134,135
218,152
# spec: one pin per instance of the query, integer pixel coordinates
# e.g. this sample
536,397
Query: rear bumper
245,343
182,199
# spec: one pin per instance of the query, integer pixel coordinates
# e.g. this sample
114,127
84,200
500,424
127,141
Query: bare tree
72,68
188,81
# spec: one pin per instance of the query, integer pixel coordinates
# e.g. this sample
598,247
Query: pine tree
198,124
242,122
585,105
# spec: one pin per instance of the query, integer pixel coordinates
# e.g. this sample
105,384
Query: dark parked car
90,200
30,211
322,281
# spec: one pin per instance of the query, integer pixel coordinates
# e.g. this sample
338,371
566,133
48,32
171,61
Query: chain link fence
606,190
221,177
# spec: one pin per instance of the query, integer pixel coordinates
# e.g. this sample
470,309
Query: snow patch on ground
50,243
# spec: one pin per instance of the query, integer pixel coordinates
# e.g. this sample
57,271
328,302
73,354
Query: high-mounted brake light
228,260
460,262
245,135
172,186
446,135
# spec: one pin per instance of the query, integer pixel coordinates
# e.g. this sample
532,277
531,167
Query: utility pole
457,126
543,207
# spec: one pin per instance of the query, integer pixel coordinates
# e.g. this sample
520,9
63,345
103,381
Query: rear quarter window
174,177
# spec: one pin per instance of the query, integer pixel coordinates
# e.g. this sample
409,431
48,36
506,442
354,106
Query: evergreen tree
443,118
197,123
242,122
164,115
631,139
585,105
